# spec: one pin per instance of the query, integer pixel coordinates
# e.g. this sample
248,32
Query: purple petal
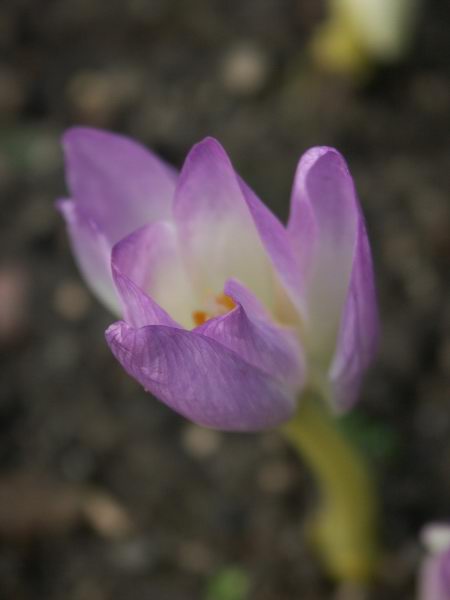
92,253
118,183
322,227
150,258
139,309
200,378
435,577
445,571
328,234
255,338
358,336
243,296
278,246
216,229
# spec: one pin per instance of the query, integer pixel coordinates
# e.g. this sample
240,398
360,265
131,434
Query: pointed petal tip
209,147
73,135
317,154
80,139
113,330
65,207
208,142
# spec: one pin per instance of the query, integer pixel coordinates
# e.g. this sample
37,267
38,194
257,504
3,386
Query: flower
434,581
358,33
226,315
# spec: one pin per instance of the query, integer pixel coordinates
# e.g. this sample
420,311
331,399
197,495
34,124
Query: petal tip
80,138
115,335
206,148
65,207
73,135
317,154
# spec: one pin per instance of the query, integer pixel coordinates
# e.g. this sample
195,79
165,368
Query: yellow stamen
221,305
225,301
199,317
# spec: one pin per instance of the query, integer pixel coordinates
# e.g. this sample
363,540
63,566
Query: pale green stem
345,524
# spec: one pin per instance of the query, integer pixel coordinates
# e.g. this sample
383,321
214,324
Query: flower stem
345,524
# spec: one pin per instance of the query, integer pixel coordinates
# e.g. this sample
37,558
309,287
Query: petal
243,296
435,577
255,338
216,229
277,244
323,226
327,229
92,253
118,183
200,378
139,309
151,258
358,336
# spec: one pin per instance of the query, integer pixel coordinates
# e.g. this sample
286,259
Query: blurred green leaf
377,440
230,583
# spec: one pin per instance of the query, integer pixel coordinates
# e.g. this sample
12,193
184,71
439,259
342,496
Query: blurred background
104,493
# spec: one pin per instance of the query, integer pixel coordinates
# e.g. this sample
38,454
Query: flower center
220,304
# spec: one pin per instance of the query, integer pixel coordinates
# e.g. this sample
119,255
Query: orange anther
200,317
225,301
221,305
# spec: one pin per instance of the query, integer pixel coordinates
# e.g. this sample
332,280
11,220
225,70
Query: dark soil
104,493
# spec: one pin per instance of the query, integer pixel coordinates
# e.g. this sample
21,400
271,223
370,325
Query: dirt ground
104,493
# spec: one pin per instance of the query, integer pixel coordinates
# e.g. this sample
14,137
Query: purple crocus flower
227,315
434,581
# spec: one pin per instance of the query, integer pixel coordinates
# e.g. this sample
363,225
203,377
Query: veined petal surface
257,339
200,378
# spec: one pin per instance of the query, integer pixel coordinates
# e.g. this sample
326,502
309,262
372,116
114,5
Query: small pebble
351,591
91,95
61,352
14,307
44,153
106,516
275,477
87,589
38,217
200,442
431,93
71,300
97,96
133,555
245,70
444,356
12,92
194,556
